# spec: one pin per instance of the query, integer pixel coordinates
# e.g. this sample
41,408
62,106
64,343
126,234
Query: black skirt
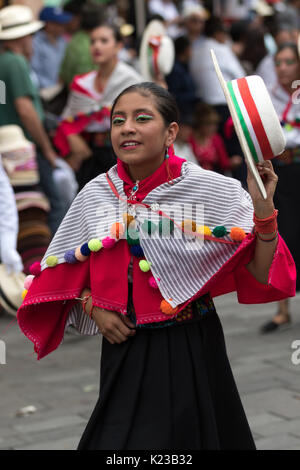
168,388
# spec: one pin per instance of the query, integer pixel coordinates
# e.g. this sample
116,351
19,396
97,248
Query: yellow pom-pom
24,293
204,230
144,265
167,308
189,225
117,230
51,261
95,244
237,234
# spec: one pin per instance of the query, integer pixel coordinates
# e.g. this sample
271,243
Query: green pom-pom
219,231
144,265
51,261
165,227
132,237
149,227
95,244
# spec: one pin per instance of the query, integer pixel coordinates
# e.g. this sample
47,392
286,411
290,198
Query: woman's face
287,67
104,46
138,132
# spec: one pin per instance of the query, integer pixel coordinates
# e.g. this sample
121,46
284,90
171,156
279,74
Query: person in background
254,50
78,59
266,69
207,145
182,145
23,106
9,226
180,82
194,17
85,140
169,12
285,99
49,46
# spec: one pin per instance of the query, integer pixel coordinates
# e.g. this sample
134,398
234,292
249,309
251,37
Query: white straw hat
12,138
195,10
17,21
157,53
11,288
254,118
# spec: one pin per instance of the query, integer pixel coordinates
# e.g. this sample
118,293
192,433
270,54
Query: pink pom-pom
153,282
28,281
35,268
108,242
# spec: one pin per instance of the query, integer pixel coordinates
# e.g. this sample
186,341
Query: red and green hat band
250,120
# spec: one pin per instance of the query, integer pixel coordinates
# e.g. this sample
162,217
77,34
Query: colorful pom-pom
79,256
167,308
108,242
127,219
95,244
70,257
51,261
189,225
35,269
117,230
149,227
84,249
219,231
137,250
28,281
165,227
132,237
204,230
24,293
145,265
152,282
237,234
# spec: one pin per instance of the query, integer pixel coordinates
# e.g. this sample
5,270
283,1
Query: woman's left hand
263,207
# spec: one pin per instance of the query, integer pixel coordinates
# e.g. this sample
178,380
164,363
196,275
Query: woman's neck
288,88
140,172
107,69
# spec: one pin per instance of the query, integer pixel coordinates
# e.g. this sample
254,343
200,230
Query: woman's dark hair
288,45
254,47
165,102
116,31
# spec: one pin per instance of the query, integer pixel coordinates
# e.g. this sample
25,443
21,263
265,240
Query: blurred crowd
64,62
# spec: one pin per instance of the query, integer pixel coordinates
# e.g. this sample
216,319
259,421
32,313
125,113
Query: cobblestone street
63,387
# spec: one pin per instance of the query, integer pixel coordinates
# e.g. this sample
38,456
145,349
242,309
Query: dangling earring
170,176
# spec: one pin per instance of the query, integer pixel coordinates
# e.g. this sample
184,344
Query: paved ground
63,387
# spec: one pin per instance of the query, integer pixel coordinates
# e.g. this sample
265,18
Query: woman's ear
172,133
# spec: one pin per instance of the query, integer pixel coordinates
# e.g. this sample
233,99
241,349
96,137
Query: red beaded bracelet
268,239
267,225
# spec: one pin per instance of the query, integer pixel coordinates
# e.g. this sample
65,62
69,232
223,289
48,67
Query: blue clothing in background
47,58
182,86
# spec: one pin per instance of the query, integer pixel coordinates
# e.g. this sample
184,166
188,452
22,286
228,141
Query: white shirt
280,99
168,11
9,225
203,71
266,70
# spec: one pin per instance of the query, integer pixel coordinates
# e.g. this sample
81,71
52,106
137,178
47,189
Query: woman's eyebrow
135,111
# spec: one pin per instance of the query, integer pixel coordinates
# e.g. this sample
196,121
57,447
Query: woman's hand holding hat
263,207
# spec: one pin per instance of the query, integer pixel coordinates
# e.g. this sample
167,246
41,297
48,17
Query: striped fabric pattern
244,93
182,265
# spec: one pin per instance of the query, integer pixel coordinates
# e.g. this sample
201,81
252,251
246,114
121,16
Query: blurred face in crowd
209,127
27,46
184,132
194,25
54,29
139,134
283,37
104,46
287,67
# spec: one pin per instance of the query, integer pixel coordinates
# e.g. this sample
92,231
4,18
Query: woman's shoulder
128,71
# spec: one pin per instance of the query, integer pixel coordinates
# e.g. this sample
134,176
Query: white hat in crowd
195,10
157,53
17,21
